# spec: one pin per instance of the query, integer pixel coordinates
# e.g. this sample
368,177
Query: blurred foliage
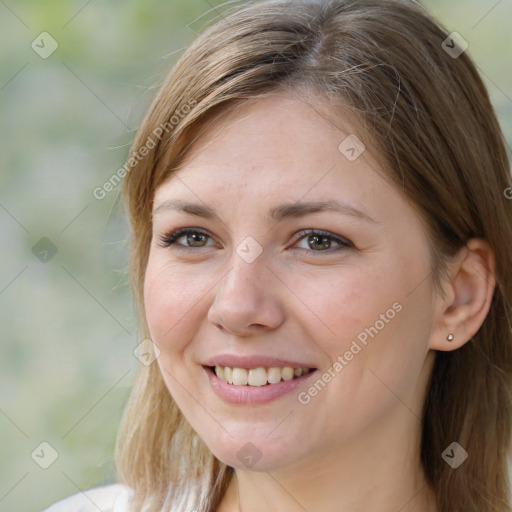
68,328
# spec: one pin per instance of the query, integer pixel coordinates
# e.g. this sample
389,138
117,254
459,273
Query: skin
355,445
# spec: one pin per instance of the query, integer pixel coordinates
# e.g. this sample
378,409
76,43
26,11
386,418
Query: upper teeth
257,376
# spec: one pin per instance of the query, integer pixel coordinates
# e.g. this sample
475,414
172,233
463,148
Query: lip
248,395
248,362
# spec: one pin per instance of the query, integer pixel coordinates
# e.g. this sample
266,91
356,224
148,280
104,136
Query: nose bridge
249,257
246,297
245,282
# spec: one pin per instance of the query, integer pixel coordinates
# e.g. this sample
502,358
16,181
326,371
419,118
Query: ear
469,291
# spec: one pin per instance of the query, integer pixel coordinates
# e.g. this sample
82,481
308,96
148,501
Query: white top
109,498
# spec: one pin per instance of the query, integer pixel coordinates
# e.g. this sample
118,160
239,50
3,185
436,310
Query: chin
256,454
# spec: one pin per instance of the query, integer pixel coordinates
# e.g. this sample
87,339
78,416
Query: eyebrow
276,214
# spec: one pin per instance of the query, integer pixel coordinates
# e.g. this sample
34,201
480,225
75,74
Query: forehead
279,146
279,126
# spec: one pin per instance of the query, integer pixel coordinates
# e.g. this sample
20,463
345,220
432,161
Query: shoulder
108,498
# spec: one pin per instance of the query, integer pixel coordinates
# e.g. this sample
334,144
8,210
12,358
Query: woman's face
268,278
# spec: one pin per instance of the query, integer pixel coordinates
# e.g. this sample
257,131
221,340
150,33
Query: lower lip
254,394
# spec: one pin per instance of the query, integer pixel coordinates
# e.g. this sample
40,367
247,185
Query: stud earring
450,337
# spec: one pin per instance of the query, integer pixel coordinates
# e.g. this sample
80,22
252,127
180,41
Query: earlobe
471,287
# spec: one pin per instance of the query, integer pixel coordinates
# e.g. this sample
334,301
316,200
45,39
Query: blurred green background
66,121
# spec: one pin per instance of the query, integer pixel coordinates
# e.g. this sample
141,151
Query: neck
376,472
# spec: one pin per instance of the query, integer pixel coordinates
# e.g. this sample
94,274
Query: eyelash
167,240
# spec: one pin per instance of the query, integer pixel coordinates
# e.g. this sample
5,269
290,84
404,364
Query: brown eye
319,242
193,238
322,241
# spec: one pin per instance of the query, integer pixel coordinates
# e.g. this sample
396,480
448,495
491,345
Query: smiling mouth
258,376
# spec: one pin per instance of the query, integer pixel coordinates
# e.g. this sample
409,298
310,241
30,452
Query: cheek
171,298
346,301
387,372
371,320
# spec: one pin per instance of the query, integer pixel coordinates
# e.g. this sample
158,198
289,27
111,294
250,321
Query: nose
247,300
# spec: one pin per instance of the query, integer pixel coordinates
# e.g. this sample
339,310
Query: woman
321,260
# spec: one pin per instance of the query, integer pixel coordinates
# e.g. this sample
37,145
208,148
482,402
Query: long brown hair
428,115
